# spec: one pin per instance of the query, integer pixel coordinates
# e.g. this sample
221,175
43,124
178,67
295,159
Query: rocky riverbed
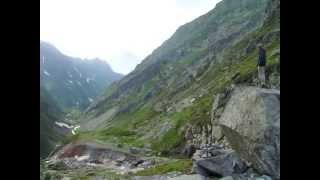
94,155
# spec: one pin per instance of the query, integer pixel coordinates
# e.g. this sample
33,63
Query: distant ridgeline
72,82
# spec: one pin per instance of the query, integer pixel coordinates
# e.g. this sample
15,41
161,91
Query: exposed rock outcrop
251,123
224,164
247,120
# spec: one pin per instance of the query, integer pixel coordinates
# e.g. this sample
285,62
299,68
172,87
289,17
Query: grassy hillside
175,86
49,133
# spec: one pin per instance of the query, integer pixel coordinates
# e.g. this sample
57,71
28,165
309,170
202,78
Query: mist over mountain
125,62
73,82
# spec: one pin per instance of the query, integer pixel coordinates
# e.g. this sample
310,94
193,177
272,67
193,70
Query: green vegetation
80,174
116,132
70,138
195,114
73,115
169,140
49,113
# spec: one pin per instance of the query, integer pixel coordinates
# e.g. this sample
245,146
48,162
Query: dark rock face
251,123
221,165
189,150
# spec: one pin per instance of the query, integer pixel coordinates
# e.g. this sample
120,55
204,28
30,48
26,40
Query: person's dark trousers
262,76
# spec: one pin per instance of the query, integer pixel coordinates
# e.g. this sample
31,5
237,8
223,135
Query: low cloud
121,31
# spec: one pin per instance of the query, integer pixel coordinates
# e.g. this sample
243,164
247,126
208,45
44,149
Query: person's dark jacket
262,57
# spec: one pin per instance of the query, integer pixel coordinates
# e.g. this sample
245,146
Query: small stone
227,178
264,177
134,150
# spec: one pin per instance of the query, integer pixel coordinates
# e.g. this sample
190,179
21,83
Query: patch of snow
90,99
89,79
70,81
81,158
46,73
192,100
91,164
79,83
61,124
74,129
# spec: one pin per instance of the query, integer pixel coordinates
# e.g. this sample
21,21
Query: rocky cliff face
73,82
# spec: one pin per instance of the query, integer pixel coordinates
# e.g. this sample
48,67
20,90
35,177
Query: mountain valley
193,106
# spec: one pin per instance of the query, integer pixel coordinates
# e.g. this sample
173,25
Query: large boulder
251,124
224,164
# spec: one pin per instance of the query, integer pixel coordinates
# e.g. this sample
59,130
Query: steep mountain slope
50,133
174,87
73,82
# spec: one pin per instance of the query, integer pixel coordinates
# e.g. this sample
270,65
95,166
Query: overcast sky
122,32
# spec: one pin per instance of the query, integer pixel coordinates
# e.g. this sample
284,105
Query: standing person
262,66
